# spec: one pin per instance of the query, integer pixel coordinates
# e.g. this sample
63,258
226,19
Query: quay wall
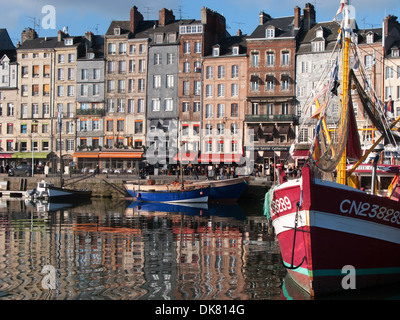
111,186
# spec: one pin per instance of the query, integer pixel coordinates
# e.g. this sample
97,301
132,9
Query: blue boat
221,191
187,195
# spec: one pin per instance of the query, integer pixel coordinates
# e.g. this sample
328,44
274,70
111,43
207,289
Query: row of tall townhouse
149,88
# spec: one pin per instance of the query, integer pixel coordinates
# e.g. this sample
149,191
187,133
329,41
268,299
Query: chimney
297,12
165,16
309,16
239,33
28,34
262,18
135,18
60,36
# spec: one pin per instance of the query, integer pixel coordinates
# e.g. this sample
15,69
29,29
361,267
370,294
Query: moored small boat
48,191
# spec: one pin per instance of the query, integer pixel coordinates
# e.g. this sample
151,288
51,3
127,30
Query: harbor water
118,250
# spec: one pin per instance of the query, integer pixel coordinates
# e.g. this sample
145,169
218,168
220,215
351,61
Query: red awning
219,158
301,154
6,155
186,156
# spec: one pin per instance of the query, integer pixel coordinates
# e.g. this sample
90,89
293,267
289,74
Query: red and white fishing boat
334,235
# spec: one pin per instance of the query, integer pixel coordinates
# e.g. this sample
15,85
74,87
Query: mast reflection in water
108,250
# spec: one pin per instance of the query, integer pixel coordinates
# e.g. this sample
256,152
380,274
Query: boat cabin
384,174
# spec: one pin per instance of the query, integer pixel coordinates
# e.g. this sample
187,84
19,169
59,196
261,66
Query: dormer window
270,33
395,53
318,46
68,42
370,38
215,52
90,55
117,31
235,50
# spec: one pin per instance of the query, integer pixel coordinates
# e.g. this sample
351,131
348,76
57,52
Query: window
196,106
185,130
221,72
112,48
71,91
24,71
60,58
35,71
186,67
209,72
46,89
235,71
215,52
45,145
168,104
318,46
285,58
84,90
197,47
95,124
35,110
122,48
285,108
10,128
156,81
68,42
84,125
220,146
196,131
121,67
209,90
96,89
285,84
270,109
208,129
208,146
109,125
234,146
185,107
234,110
120,125
220,110
186,47
370,38
305,67
71,57
254,83
254,108
70,144
170,58
140,105
120,105
254,59
131,106
186,88
197,88
142,48
46,110
234,89
270,33
24,110
110,105
35,90
142,66
234,128
84,74
24,128
71,74
220,129
157,59
46,71
155,105
171,37
221,90
235,50
138,126
141,85
170,81
209,111
389,73
132,66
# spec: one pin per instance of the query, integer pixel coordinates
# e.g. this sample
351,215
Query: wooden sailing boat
326,227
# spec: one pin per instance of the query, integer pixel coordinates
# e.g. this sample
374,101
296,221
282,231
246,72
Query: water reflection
118,250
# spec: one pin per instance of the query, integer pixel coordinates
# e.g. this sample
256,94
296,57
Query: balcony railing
97,112
272,118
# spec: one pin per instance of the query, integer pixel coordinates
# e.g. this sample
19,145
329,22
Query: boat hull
228,190
55,193
198,195
340,231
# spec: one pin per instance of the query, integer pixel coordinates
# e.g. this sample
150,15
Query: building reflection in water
117,251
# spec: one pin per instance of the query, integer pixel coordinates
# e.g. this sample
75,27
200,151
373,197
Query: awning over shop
301,154
124,155
219,158
189,156
268,129
86,155
28,155
6,155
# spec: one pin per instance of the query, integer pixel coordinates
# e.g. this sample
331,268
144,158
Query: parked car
21,170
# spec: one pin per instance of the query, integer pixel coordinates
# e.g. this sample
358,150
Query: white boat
48,191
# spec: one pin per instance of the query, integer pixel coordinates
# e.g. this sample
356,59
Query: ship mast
341,168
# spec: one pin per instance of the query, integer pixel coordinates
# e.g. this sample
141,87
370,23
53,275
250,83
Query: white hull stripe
339,223
202,199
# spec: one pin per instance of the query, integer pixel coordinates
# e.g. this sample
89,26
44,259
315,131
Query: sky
96,15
